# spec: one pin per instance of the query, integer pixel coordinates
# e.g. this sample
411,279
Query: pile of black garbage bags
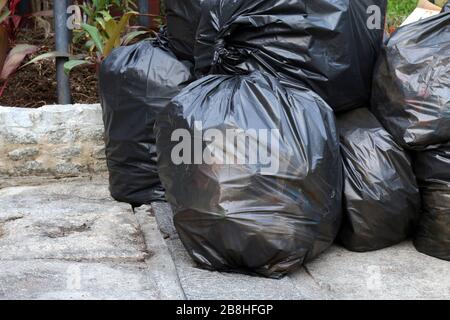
277,127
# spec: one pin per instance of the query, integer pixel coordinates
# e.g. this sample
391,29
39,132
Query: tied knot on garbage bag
161,39
227,59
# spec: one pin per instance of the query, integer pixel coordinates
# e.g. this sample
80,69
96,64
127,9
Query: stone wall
52,141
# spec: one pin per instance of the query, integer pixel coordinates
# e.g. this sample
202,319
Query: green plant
107,27
93,9
104,36
97,12
11,55
398,11
8,18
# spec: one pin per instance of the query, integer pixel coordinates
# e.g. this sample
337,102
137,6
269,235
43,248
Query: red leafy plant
11,54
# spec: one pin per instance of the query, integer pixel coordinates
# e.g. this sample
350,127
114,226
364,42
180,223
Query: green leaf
15,58
106,15
85,9
69,65
95,36
48,55
97,3
131,36
110,27
101,22
132,4
4,15
115,36
78,36
89,45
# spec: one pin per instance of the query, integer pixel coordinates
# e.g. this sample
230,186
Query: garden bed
35,85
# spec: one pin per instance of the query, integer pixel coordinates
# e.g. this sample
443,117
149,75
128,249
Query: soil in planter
35,85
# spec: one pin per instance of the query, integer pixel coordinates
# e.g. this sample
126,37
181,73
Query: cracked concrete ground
69,240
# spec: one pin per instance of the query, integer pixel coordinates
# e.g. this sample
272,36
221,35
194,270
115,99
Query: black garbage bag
267,194
433,172
446,7
136,82
381,196
324,43
411,92
182,20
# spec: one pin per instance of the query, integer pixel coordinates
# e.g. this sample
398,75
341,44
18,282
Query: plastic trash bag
277,203
433,172
326,44
136,82
182,20
446,7
381,196
411,92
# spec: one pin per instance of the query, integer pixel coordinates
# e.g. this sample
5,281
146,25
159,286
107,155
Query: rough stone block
52,141
23,153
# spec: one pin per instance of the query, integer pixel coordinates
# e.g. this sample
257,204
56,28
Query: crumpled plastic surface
247,217
381,196
433,173
323,43
182,20
411,92
136,83
446,7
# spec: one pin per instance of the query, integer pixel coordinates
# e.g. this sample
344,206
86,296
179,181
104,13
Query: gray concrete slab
61,280
160,266
71,221
399,272
70,240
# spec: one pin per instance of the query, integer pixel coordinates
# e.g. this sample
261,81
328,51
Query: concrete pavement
68,239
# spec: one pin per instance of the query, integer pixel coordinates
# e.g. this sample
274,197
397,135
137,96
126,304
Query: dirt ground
35,85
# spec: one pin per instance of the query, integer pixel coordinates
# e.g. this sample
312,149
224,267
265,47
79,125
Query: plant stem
3,88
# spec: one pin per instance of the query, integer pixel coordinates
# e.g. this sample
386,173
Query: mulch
35,85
